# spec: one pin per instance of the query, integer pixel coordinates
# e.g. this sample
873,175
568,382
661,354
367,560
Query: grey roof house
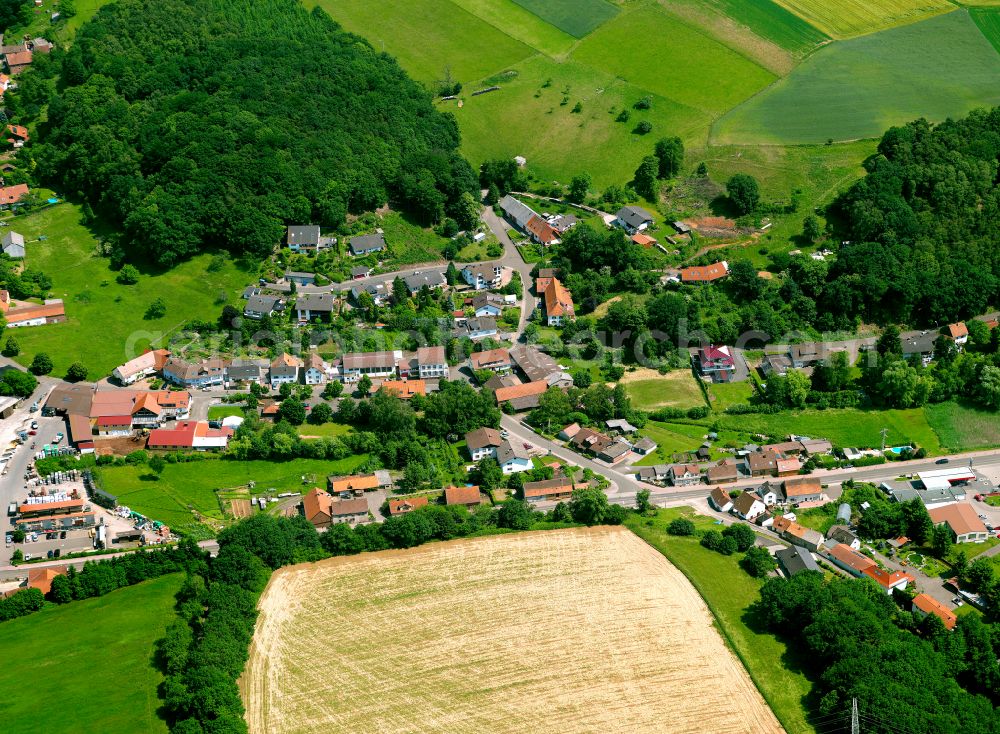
633,219
515,211
367,243
260,306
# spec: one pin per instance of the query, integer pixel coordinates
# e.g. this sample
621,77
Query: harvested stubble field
578,630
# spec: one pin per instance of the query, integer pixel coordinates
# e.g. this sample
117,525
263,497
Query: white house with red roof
193,435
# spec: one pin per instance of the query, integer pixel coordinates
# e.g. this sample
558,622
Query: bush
742,534
128,275
76,373
41,364
681,526
758,562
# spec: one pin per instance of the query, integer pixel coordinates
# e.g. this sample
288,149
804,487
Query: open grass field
938,68
86,666
728,591
557,142
565,631
988,21
846,18
184,496
963,428
104,320
428,36
650,390
674,60
843,427
509,17
575,17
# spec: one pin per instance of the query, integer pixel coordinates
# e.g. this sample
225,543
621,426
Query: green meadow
105,321
942,67
87,666
575,17
184,494
988,21
673,60
520,23
429,36
539,124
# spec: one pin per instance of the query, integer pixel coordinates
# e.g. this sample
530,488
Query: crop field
564,631
575,17
988,21
942,67
86,666
184,495
509,17
673,60
963,428
428,36
772,21
728,591
846,18
105,319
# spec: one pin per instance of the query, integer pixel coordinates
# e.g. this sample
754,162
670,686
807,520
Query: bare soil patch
583,630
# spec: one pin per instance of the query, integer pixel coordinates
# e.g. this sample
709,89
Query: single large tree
645,177
744,193
670,156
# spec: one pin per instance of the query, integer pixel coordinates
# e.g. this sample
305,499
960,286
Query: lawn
522,24
942,67
673,438
845,18
988,21
536,108
105,322
650,390
86,666
843,427
724,394
184,495
676,61
963,428
728,591
429,37
327,430
575,17
218,412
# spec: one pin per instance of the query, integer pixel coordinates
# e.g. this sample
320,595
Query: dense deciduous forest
921,225
908,675
204,123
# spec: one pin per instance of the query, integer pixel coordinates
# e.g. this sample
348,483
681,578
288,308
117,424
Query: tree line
204,123
98,578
